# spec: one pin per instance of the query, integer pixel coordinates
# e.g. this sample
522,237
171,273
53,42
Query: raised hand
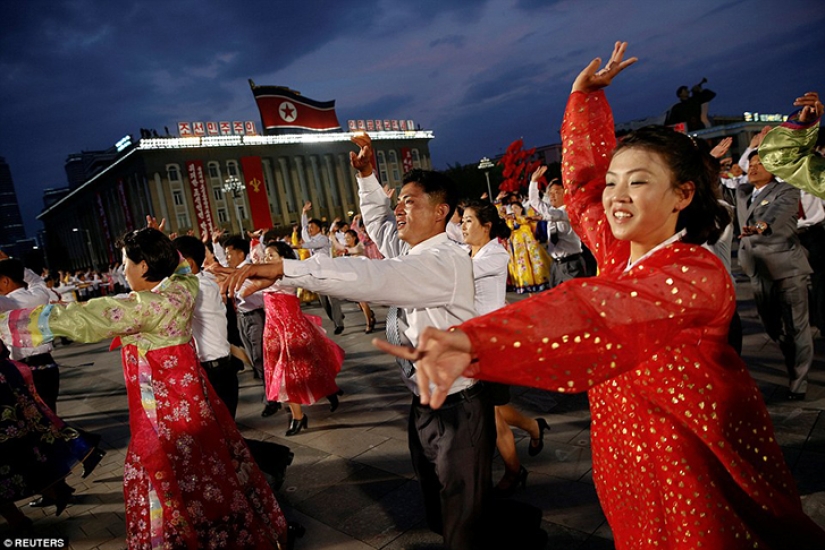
721,148
538,173
440,358
216,235
389,191
307,207
154,224
812,108
756,140
362,161
592,78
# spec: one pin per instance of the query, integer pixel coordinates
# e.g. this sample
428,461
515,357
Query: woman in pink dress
300,362
189,480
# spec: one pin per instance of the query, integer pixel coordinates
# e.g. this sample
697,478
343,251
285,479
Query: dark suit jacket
777,254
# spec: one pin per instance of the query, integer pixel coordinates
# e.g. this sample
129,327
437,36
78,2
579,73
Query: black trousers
223,375
47,383
452,454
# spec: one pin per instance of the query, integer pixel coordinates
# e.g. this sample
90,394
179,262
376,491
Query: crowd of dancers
630,251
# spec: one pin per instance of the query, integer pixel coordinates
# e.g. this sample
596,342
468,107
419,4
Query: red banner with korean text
124,203
104,226
406,159
253,174
200,197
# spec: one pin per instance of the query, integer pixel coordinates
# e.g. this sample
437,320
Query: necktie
396,325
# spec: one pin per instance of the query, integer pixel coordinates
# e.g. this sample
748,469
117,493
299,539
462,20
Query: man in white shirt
318,245
21,288
562,242
811,230
209,326
431,278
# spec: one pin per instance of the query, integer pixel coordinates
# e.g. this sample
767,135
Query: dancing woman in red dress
684,453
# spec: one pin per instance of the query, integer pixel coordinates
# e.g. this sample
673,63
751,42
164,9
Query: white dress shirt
812,207
432,281
490,277
558,222
253,301
317,245
209,320
36,294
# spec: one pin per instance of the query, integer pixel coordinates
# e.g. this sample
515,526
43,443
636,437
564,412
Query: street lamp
89,244
234,185
486,165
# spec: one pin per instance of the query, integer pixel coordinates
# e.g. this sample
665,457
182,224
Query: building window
416,158
382,168
223,216
232,168
241,212
396,175
217,192
183,221
173,172
177,197
214,171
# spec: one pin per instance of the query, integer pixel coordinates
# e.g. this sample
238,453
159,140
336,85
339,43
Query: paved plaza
351,483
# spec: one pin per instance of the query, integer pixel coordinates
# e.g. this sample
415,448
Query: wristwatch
761,226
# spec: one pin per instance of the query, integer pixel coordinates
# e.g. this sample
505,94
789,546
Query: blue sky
80,75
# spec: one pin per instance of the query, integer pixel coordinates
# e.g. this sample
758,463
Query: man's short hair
316,222
191,247
436,185
752,154
13,269
238,243
679,91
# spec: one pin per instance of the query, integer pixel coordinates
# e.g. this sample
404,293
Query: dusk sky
80,75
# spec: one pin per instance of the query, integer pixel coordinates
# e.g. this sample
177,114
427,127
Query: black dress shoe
333,402
339,330
795,396
295,426
271,408
536,445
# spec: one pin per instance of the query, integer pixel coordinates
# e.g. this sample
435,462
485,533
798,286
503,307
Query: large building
186,180
11,222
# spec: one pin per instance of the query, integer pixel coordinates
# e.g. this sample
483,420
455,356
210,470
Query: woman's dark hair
353,234
153,247
488,213
284,250
13,269
704,219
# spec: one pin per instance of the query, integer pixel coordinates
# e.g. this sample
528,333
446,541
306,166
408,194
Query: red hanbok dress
300,361
189,480
684,454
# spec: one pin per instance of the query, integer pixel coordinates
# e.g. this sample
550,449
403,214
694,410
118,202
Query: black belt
217,363
459,396
814,227
39,360
568,258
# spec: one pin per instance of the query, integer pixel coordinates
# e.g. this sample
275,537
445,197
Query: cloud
453,40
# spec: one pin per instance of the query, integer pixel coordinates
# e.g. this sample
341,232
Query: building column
332,185
319,183
347,183
164,209
289,188
306,189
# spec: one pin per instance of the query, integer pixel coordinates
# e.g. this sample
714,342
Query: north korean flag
284,109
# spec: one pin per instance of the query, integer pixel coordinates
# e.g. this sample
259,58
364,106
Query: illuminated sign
764,117
201,129
381,125
123,143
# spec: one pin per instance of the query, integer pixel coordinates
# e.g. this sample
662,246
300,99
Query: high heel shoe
509,484
91,461
296,426
370,324
537,444
62,497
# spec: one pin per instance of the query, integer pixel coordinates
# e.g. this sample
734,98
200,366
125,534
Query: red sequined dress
300,361
684,453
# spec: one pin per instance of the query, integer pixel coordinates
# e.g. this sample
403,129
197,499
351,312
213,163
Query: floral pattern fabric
300,361
529,267
189,479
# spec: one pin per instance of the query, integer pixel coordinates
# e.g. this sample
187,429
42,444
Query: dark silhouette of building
11,222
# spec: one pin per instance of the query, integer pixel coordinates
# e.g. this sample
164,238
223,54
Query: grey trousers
333,308
783,308
452,454
251,327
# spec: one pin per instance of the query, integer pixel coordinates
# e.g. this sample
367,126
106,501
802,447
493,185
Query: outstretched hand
152,222
812,108
538,173
249,278
721,148
592,78
756,140
440,358
362,161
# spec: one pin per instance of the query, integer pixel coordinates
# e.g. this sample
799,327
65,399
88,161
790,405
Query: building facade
11,222
184,179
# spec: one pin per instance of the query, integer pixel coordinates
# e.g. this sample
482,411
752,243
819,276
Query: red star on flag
288,112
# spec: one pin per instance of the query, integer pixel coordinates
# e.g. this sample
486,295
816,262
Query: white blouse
490,277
